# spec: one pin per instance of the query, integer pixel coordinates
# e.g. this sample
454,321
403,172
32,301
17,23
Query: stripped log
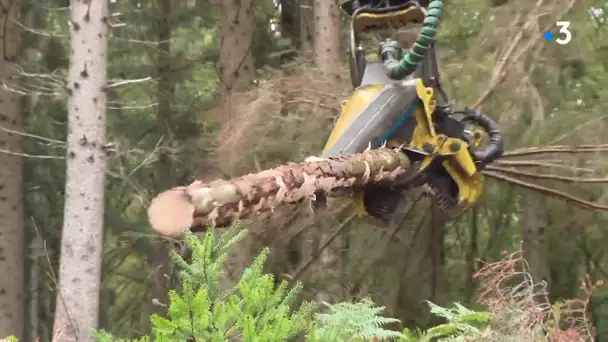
222,202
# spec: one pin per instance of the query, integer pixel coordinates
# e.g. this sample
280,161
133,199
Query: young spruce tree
255,309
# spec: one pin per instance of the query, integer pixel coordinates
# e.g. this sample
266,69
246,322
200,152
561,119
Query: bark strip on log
222,202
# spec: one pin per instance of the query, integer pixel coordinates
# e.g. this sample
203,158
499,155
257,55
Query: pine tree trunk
236,58
327,59
77,309
166,178
35,272
11,168
306,28
535,238
222,202
327,36
471,257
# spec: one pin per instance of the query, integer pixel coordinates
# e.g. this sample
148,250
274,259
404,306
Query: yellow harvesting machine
398,102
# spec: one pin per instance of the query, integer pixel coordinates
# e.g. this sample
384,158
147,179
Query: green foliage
258,310
353,322
254,310
461,324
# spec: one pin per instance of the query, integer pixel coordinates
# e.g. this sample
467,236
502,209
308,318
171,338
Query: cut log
222,202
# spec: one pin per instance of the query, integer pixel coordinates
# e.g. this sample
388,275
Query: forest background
201,89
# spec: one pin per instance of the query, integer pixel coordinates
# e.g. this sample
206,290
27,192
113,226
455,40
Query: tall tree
236,59
237,24
306,27
166,178
11,164
327,35
77,309
327,58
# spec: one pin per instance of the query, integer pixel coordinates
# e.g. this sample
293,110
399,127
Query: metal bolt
455,146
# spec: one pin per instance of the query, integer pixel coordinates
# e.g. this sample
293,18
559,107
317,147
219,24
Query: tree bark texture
535,237
306,27
164,92
11,180
327,58
77,309
222,202
327,36
166,177
236,58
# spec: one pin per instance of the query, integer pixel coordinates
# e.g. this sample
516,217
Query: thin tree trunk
164,93
535,238
417,271
437,253
327,59
472,253
166,178
77,311
236,59
327,36
32,331
11,169
306,27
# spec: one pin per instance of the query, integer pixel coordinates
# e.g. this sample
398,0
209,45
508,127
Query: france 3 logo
563,36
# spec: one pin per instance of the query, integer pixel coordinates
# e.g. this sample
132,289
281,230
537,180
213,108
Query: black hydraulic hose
495,148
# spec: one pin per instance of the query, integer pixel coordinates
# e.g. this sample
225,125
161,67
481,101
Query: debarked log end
171,212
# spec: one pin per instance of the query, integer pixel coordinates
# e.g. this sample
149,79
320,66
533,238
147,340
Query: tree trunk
437,253
535,238
471,257
166,178
236,59
327,36
415,281
327,58
221,202
11,168
77,309
35,272
306,28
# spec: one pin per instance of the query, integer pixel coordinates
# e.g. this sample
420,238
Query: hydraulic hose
495,147
398,69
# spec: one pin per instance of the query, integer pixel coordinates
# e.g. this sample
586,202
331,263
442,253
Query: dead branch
541,164
556,149
547,176
548,191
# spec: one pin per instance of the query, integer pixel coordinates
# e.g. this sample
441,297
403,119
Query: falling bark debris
221,202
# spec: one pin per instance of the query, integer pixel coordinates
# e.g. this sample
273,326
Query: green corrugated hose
399,69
